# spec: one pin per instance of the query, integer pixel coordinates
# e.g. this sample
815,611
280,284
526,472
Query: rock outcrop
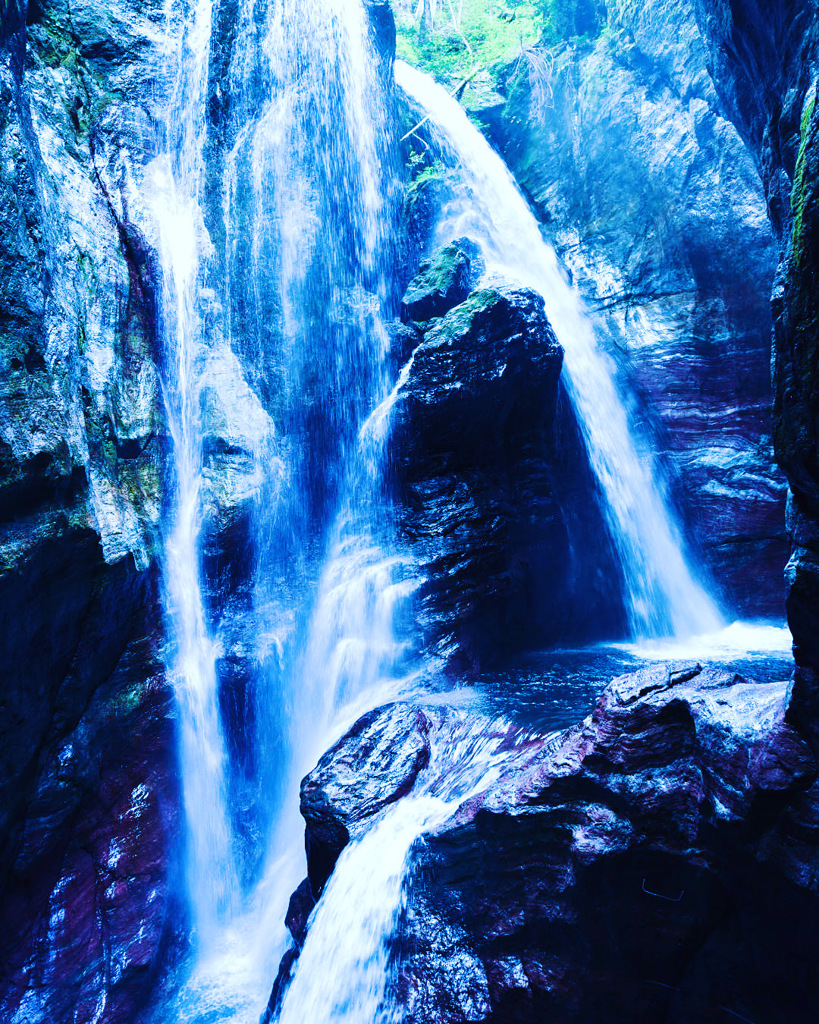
763,59
496,499
644,865
90,903
86,799
443,281
652,200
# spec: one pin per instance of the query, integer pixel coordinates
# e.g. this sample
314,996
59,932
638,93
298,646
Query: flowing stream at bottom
343,969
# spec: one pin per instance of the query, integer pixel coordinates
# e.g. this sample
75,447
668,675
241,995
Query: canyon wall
763,62
649,194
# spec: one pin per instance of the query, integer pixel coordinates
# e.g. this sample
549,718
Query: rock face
641,866
763,59
89,907
443,281
87,799
495,496
652,200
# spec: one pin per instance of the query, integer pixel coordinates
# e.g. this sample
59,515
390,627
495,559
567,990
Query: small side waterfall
178,185
663,598
343,968
342,972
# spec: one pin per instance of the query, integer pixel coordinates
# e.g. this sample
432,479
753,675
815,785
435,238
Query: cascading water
343,969
314,255
308,227
308,224
662,596
178,183
342,972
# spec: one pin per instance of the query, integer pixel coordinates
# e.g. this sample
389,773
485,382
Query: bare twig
458,88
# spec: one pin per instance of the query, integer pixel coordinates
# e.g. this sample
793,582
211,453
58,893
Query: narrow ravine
309,246
401,504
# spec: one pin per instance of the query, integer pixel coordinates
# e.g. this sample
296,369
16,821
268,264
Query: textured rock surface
764,62
443,281
641,866
654,203
85,801
88,907
496,497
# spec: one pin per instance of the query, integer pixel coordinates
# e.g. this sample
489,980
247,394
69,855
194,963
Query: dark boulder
443,281
495,495
376,769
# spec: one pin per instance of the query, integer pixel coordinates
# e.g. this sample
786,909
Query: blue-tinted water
548,690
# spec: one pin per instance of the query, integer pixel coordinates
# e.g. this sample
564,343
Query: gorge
386,421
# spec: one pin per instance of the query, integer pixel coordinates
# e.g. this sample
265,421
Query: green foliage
466,35
798,193
428,172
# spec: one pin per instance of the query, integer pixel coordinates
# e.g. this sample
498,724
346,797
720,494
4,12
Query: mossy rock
443,281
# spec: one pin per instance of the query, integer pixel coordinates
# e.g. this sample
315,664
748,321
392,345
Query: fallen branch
459,88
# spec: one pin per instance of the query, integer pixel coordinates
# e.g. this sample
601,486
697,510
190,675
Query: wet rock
629,868
383,28
378,768
88,801
496,498
762,58
443,281
88,907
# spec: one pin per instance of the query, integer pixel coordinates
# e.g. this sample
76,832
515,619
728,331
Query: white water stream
343,970
178,183
663,597
307,182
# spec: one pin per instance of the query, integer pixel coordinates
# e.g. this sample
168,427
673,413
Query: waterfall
178,183
662,596
306,263
343,969
305,260
312,182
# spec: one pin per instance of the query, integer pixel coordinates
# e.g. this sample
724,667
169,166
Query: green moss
458,321
85,95
440,274
799,191
428,173
129,699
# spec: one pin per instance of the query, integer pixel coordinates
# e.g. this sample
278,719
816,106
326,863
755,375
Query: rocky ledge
496,498
654,863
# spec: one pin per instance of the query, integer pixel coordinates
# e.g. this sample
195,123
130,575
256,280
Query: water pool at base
555,689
